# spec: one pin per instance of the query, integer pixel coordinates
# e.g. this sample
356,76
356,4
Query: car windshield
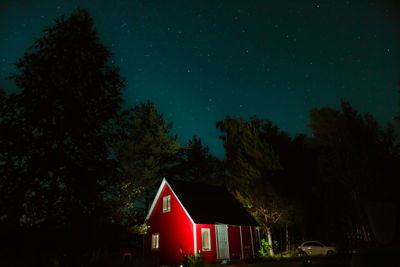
313,244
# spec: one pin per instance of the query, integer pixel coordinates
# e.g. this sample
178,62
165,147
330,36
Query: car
315,248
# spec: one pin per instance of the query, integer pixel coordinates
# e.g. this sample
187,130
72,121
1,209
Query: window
313,244
166,203
205,238
154,241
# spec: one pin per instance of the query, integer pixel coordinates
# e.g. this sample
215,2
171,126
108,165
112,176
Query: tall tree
196,163
257,165
145,152
397,118
255,169
65,115
358,159
12,156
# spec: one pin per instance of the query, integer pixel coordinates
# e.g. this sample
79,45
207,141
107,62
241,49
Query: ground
312,262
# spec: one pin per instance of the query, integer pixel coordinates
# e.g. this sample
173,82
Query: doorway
221,233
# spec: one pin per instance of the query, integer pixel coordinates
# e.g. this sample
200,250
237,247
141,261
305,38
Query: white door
221,233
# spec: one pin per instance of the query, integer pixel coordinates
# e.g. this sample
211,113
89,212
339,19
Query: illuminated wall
175,231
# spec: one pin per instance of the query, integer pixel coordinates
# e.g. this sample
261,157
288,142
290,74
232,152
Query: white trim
194,238
203,230
156,198
164,181
227,239
216,241
251,238
241,241
168,206
187,213
155,241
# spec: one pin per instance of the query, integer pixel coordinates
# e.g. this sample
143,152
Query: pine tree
196,163
256,171
356,158
144,154
257,167
66,115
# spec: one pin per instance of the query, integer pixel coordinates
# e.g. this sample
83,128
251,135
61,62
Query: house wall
175,231
209,256
256,240
247,245
235,249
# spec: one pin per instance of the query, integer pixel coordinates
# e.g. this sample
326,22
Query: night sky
200,61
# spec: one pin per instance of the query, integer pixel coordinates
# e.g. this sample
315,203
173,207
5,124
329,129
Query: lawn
313,262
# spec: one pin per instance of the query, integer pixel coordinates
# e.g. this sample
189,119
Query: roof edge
156,198
163,183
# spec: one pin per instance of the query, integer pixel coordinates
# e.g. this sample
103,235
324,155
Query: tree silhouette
196,163
256,171
144,154
358,159
12,156
65,117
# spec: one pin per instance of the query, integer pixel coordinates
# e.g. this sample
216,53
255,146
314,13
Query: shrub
265,247
192,261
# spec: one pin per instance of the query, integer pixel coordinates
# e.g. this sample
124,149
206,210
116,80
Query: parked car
315,248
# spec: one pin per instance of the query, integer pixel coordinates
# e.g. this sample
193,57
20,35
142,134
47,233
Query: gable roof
163,184
209,204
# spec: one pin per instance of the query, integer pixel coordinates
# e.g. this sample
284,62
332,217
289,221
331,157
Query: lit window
154,241
166,203
205,237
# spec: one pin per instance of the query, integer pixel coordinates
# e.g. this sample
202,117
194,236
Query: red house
188,218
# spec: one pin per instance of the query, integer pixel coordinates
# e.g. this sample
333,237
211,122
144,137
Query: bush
265,247
192,261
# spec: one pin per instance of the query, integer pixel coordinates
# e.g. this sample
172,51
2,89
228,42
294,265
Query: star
184,58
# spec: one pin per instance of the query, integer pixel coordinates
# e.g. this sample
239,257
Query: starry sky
200,61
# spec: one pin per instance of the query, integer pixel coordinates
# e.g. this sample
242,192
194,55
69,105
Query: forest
78,172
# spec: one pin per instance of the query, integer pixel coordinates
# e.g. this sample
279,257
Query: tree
65,117
358,159
397,118
145,153
256,170
257,165
12,145
196,163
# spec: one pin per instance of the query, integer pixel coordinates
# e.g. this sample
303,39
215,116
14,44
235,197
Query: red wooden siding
246,238
175,231
255,240
209,256
235,249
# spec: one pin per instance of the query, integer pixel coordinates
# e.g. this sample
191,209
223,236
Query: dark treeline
78,173
337,186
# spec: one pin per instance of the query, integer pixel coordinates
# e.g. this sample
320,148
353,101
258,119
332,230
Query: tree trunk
287,239
269,236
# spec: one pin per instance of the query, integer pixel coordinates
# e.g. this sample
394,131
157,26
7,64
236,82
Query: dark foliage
196,163
56,164
145,152
358,162
271,173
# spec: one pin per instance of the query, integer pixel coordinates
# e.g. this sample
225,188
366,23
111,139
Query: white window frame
167,203
155,241
204,230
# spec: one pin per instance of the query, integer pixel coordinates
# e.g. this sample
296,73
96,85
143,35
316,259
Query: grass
294,262
108,259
